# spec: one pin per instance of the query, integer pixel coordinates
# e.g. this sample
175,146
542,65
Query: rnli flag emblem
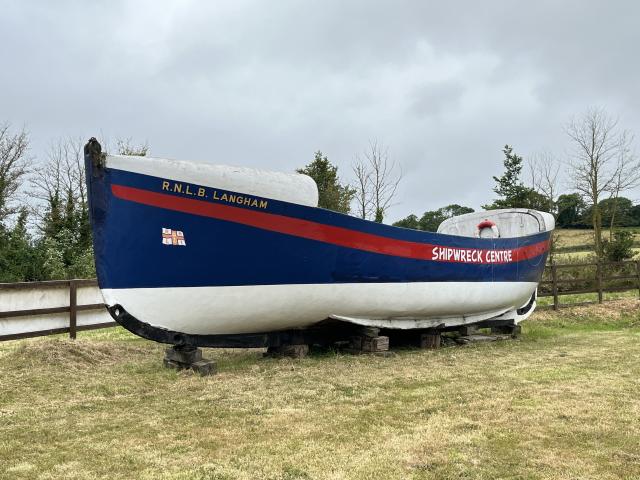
173,237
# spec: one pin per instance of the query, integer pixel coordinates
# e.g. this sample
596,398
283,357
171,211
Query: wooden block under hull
291,351
367,344
430,340
188,359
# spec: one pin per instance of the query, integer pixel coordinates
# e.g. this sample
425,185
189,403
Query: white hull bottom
265,308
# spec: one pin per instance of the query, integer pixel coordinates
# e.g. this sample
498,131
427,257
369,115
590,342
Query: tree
14,165
508,185
64,247
361,189
620,247
536,201
570,210
15,242
65,231
634,215
431,220
60,185
616,211
125,146
17,254
596,163
455,210
627,176
377,179
543,172
332,195
513,193
411,222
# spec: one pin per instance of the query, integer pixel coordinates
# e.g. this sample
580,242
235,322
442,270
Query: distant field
572,238
560,403
585,255
569,238
576,245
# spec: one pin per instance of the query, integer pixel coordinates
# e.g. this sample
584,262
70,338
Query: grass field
574,237
582,242
561,403
571,237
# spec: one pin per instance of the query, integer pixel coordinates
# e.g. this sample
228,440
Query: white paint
287,187
12,300
510,223
263,308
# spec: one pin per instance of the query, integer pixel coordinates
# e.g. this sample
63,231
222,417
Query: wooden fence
72,308
558,280
580,278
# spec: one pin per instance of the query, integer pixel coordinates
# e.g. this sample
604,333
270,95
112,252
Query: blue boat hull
238,249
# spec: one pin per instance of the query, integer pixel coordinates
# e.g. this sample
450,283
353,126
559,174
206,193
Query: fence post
554,286
638,273
599,280
73,303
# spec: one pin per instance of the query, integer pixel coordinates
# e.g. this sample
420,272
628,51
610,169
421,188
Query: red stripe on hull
327,233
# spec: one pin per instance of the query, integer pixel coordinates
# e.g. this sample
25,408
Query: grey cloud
444,84
435,98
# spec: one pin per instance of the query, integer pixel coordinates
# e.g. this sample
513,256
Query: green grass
560,403
589,297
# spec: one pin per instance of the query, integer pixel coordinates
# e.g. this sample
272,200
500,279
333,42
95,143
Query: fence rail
72,308
595,277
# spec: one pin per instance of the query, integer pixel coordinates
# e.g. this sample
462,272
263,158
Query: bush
620,248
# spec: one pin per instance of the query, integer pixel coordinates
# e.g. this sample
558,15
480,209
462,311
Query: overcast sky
443,84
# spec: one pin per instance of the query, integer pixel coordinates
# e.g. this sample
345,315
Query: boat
210,255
